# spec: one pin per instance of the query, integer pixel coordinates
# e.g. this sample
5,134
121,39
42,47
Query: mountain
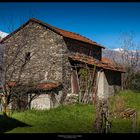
113,54
118,49
116,55
118,52
3,34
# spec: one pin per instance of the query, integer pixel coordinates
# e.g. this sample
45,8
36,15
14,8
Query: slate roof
59,31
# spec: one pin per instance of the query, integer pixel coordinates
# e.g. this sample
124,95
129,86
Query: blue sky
101,22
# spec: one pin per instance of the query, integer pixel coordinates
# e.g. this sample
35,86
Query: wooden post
134,123
79,92
103,122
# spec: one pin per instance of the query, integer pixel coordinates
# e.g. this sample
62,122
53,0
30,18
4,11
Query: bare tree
128,56
14,65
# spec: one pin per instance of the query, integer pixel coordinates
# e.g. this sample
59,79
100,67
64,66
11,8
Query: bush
135,85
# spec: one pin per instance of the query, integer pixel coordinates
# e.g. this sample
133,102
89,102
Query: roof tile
64,33
44,86
106,63
47,86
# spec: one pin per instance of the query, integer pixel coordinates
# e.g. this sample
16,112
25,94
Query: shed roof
47,86
92,61
107,61
39,86
59,31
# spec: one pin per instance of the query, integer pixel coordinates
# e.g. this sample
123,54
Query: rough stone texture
74,47
46,48
71,99
48,62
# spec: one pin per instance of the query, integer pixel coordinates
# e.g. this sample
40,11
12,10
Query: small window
27,56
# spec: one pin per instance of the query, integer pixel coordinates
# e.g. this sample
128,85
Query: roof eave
49,27
105,68
14,31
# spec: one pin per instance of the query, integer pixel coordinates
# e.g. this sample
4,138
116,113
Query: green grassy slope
67,119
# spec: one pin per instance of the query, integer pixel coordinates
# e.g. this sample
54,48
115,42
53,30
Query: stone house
60,64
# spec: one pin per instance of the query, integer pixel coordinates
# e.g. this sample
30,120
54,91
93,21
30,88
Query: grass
67,119
131,100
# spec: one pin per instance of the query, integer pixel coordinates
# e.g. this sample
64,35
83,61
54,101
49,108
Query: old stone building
57,63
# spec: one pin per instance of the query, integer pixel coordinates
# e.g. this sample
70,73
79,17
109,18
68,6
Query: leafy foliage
135,84
73,118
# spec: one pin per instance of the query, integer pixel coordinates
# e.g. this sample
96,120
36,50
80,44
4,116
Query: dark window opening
27,56
113,78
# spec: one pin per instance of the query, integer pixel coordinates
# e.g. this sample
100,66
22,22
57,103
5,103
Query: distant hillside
116,55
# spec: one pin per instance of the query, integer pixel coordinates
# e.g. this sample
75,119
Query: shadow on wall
7,124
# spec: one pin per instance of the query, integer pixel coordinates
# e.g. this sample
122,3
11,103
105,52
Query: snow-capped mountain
3,34
118,49
116,54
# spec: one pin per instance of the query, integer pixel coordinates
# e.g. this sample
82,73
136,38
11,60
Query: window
27,56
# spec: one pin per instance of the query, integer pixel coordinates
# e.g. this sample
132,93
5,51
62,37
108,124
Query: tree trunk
102,122
5,106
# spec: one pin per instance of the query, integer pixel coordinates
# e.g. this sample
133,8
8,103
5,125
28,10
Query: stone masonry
47,55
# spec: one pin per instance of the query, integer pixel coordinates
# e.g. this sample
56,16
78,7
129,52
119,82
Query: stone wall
46,50
100,84
109,82
66,73
73,47
48,62
41,102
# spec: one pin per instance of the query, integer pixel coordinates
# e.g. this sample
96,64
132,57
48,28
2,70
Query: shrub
135,84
